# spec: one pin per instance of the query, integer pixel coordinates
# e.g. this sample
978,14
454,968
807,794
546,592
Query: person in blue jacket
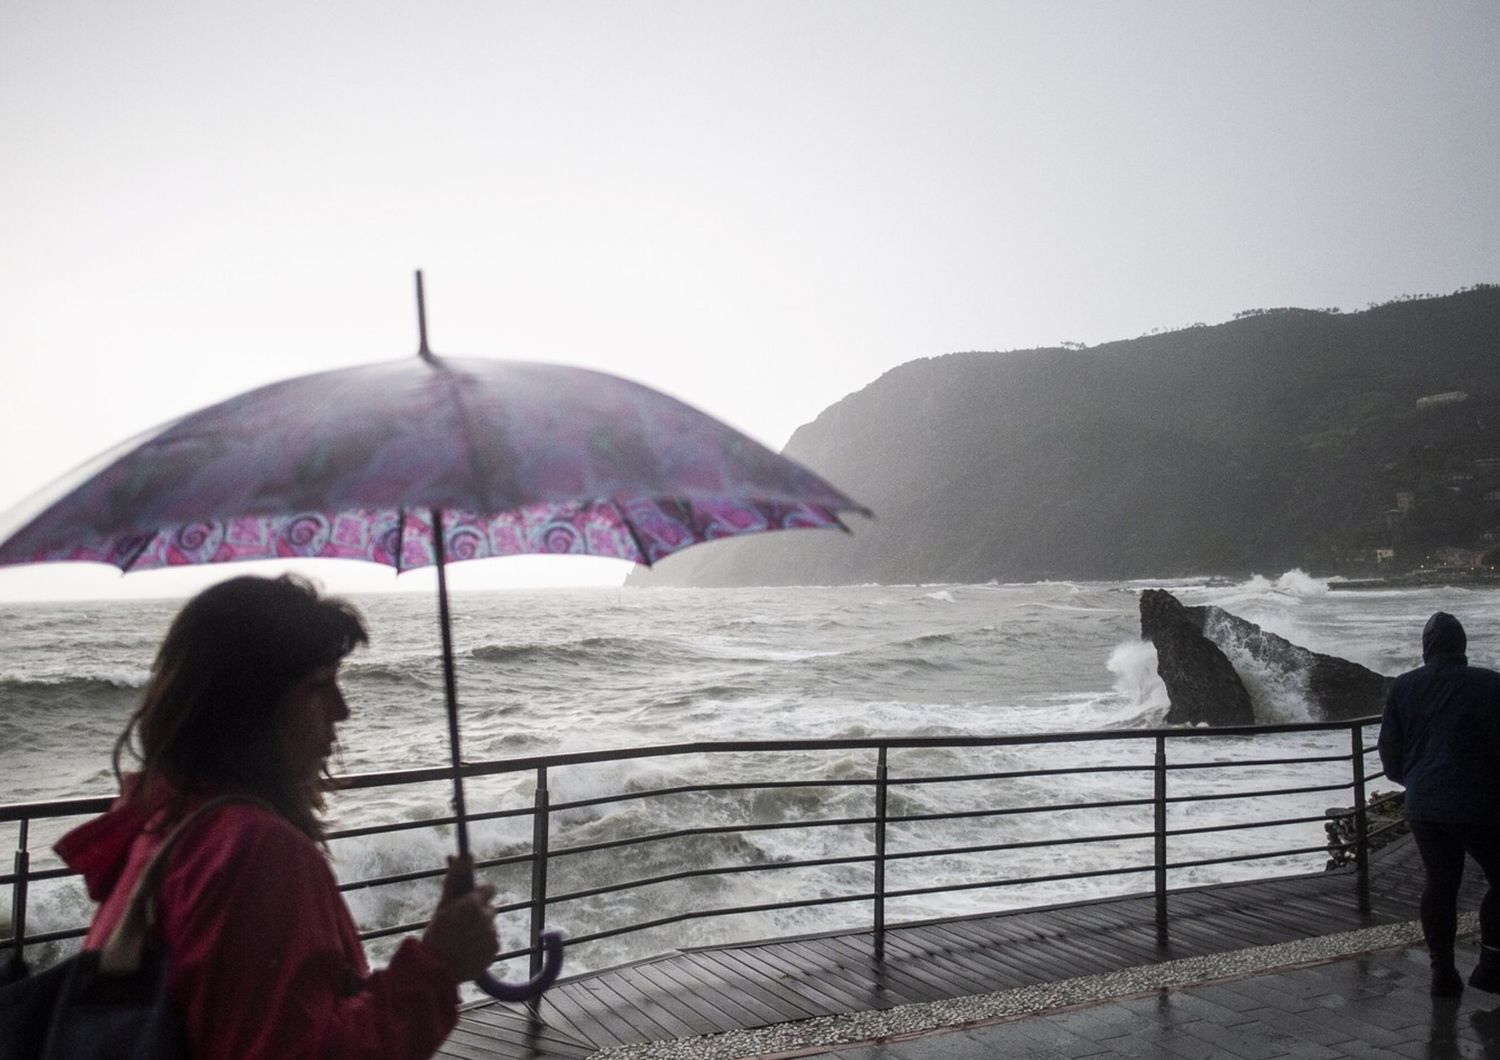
1440,737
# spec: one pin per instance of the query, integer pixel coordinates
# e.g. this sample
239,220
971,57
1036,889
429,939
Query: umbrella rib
138,551
480,480
640,547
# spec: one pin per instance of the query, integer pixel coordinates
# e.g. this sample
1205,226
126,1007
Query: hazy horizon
758,209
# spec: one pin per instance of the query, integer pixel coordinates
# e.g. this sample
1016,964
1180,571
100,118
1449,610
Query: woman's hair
208,721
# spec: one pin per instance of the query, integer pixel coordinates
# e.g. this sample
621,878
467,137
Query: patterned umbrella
426,460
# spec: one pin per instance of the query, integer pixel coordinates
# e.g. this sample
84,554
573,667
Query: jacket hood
100,849
1443,635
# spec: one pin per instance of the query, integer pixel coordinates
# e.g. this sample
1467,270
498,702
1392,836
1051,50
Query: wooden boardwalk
752,985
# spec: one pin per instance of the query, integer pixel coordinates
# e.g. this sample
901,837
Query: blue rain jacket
1440,735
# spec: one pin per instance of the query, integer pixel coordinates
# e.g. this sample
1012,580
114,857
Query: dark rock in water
1337,688
1201,682
1203,686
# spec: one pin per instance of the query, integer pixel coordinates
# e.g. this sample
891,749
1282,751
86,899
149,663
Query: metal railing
1346,772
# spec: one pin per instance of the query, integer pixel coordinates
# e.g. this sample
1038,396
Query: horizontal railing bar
386,881
399,929
532,762
1321,849
700,914
1173,767
1377,775
1015,774
1386,828
395,826
727,870
687,789
419,925
1210,828
40,874
1020,845
429,822
1019,880
1011,811
21,811
718,829
46,936
1264,793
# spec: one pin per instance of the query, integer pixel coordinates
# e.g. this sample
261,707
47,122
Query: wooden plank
503,1020
625,1020
923,955
721,1007
1000,973
558,1014
859,965
798,967
519,1036
900,981
644,999
1020,959
828,1002
1128,944
830,974
782,1002
937,953
572,1006
517,1047
461,1050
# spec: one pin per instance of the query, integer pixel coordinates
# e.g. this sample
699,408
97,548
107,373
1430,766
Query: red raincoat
264,957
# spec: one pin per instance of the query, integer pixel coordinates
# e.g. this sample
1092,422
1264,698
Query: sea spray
1133,662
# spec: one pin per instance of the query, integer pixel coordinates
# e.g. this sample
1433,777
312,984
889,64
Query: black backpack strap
137,929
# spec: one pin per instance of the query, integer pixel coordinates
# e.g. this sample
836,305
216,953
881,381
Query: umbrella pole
450,684
551,941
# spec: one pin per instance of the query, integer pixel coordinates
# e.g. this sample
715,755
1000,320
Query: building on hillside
1448,558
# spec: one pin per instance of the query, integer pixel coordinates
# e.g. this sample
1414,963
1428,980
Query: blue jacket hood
1443,635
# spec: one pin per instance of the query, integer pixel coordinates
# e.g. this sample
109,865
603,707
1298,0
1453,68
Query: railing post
1160,798
540,831
882,778
1361,817
18,891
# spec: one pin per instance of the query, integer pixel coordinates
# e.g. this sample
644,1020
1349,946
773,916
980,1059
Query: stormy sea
559,671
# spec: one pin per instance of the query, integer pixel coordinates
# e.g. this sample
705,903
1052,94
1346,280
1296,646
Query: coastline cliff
1338,442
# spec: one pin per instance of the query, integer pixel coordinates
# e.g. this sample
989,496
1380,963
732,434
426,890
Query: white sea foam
1008,659
1133,662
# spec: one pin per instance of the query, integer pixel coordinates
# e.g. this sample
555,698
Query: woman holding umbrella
263,957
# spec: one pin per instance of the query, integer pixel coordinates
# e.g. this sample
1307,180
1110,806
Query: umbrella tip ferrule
422,350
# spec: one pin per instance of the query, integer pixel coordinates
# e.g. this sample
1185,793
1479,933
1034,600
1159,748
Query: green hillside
1285,437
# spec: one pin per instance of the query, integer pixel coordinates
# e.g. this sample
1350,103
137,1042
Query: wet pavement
1370,1005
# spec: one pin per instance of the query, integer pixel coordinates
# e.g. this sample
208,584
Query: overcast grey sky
756,206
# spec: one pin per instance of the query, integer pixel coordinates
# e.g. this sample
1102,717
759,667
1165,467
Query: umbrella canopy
352,463
423,461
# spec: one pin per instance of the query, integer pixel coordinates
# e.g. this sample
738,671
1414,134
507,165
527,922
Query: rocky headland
1194,646
1363,444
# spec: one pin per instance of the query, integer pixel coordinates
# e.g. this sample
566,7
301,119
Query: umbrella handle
552,961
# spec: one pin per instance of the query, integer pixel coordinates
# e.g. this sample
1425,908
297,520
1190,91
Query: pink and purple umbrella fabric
351,463
363,463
